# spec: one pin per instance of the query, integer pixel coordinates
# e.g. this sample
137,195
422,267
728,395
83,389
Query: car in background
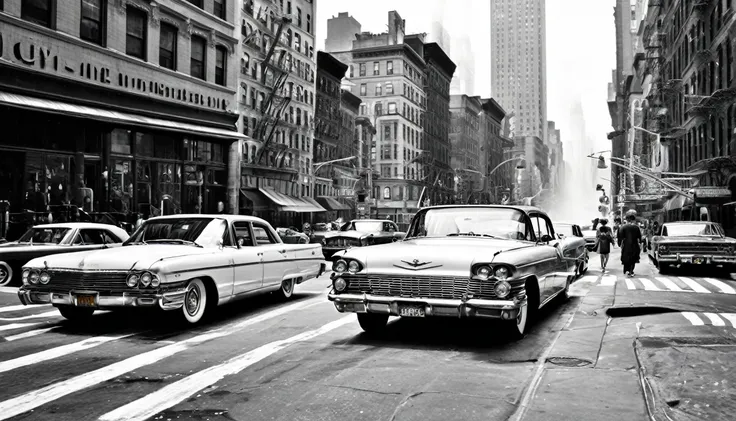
697,243
475,261
321,230
184,263
589,235
292,236
361,233
48,239
570,231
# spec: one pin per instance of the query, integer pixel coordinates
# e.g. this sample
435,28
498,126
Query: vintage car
188,263
45,240
573,231
361,233
692,243
292,236
483,261
590,235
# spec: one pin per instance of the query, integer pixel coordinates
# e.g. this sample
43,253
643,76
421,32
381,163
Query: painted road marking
165,398
14,326
714,319
630,284
693,318
724,287
731,317
669,284
20,307
36,398
649,285
608,280
47,314
29,334
57,352
694,285
9,290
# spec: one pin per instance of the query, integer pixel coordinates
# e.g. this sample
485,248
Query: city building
465,137
341,32
124,107
351,172
277,100
498,173
556,161
518,63
462,52
529,182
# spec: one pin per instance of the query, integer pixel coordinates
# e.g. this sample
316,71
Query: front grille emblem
416,263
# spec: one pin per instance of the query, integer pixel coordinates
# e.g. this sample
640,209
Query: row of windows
249,9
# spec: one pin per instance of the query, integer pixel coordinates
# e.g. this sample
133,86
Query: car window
242,234
263,236
89,237
540,227
109,237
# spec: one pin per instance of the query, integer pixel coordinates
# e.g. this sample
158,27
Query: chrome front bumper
170,300
366,303
708,259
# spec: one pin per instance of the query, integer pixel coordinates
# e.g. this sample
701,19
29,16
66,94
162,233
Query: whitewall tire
287,288
195,301
6,274
517,328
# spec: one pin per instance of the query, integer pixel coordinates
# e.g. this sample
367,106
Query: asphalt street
265,359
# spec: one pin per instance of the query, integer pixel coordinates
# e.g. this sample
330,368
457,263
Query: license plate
86,301
698,260
411,312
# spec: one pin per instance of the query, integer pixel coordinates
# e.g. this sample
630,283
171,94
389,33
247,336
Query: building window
93,21
299,17
363,89
297,42
379,90
362,69
351,70
198,3
389,88
167,46
379,108
309,23
389,67
220,65
37,11
387,191
392,108
197,61
376,68
219,9
136,29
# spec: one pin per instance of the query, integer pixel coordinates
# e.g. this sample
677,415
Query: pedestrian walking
629,237
604,238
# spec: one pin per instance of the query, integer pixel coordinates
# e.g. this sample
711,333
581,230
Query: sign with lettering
712,193
73,60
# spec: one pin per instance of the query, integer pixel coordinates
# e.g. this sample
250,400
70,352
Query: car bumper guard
169,300
708,259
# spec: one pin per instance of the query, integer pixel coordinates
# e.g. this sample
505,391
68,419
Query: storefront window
120,142
192,199
169,187
121,190
144,144
165,147
58,179
143,188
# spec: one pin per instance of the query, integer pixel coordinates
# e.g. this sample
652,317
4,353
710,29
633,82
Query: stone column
233,177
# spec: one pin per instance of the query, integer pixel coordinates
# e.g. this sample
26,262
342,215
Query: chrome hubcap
3,275
287,286
191,301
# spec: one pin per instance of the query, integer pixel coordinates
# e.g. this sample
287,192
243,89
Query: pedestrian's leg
603,264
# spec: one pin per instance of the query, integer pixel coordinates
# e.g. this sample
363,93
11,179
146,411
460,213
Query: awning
677,202
47,105
288,203
257,198
331,203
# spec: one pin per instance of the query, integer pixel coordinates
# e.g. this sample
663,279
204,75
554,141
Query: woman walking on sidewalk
605,238
629,237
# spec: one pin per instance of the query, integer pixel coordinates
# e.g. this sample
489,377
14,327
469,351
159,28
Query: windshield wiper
134,243
175,240
472,234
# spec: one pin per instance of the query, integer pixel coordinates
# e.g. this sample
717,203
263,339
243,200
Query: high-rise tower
518,63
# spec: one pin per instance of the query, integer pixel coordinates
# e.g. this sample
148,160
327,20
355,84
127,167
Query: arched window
298,42
244,64
387,192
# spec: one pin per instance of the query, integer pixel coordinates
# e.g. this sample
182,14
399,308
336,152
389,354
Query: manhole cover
568,361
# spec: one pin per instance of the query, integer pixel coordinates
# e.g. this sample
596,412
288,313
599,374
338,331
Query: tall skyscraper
518,63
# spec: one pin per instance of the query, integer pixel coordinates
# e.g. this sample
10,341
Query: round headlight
33,277
26,274
44,278
340,285
353,266
146,279
483,272
502,272
502,289
663,249
132,280
341,266
155,282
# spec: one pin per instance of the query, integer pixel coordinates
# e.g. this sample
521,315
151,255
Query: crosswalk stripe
694,285
649,285
669,284
714,319
33,399
29,334
731,317
20,307
630,284
608,280
9,290
162,399
13,326
47,314
724,287
57,352
693,318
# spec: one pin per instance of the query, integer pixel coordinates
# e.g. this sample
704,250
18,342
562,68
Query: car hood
445,255
138,257
351,234
695,239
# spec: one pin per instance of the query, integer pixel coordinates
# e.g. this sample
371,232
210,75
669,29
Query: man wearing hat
629,237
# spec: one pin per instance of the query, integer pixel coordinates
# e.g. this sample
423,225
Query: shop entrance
12,189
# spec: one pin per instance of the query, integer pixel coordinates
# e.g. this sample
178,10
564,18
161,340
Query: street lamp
319,165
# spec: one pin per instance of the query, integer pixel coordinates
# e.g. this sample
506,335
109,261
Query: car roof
371,220
689,222
525,209
73,225
227,217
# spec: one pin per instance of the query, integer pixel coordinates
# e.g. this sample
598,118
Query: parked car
188,263
48,239
590,235
481,261
292,236
692,243
361,233
574,232
320,231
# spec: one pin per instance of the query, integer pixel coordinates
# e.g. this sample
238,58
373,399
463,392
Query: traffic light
599,187
605,200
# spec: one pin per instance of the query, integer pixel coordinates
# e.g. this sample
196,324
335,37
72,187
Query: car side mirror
546,238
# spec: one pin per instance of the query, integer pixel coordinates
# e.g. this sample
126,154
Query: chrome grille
98,280
695,248
343,242
451,288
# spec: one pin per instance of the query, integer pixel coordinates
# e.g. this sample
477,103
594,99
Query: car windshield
586,228
204,232
565,230
678,230
44,235
367,226
483,222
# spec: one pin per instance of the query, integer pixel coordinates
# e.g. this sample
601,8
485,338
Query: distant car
590,235
693,243
48,239
321,230
291,236
184,263
361,233
573,231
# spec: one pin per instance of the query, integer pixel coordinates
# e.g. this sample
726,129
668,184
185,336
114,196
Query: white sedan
188,263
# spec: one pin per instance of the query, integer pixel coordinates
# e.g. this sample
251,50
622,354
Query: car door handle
282,251
259,254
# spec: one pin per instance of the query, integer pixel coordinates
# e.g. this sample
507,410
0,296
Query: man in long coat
629,237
